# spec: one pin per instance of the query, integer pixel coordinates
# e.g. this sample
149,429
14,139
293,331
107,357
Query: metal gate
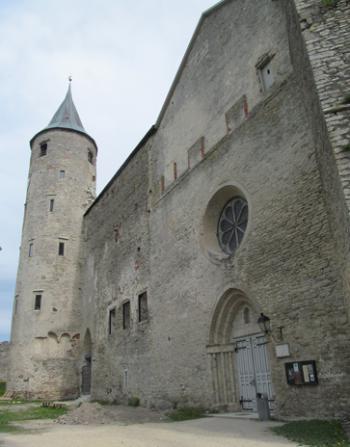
86,379
253,370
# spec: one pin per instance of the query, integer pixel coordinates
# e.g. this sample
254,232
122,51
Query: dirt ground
94,425
94,413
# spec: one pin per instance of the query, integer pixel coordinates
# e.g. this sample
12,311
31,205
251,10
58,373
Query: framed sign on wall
301,373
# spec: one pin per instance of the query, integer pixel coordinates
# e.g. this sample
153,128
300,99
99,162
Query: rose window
232,224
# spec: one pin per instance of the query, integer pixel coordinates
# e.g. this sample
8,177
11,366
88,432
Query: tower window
16,304
143,307
30,253
37,302
246,315
61,248
90,156
265,71
126,315
62,174
43,149
111,320
266,76
51,206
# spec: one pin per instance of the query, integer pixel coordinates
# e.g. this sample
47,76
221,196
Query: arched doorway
86,367
238,354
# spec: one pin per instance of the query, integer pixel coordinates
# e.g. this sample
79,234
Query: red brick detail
202,148
162,183
228,128
245,107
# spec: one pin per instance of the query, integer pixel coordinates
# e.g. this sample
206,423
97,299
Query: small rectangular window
62,174
266,75
30,253
37,302
61,248
111,321
51,206
43,149
126,315
265,71
143,307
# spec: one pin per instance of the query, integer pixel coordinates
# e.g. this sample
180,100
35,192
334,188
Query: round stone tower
46,317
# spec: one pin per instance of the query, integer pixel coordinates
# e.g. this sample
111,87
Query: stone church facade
215,263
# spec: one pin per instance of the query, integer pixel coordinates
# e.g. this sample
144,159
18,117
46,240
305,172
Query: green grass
2,388
314,433
7,416
186,413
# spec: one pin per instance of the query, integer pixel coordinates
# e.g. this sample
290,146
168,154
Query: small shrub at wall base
346,99
2,388
329,3
134,402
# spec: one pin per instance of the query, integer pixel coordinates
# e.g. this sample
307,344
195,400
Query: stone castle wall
222,134
117,270
153,230
4,360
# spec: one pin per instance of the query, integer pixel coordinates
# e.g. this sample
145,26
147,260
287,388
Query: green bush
2,388
329,3
134,402
346,99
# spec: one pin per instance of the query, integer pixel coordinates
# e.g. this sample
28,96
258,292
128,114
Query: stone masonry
150,304
4,360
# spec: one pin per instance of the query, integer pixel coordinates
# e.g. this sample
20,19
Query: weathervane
70,78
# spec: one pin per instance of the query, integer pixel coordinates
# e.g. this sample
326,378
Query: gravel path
207,432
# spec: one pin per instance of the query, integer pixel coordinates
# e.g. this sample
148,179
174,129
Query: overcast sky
123,56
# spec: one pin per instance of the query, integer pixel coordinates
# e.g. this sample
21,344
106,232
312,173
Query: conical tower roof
66,117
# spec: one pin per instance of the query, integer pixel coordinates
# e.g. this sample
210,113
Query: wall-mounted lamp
264,323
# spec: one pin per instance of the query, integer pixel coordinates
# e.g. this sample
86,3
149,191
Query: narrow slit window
126,315
266,75
61,248
43,149
30,252
37,302
111,321
62,173
90,156
52,204
143,307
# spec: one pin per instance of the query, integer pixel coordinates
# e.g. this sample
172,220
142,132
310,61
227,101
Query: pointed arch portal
238,354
